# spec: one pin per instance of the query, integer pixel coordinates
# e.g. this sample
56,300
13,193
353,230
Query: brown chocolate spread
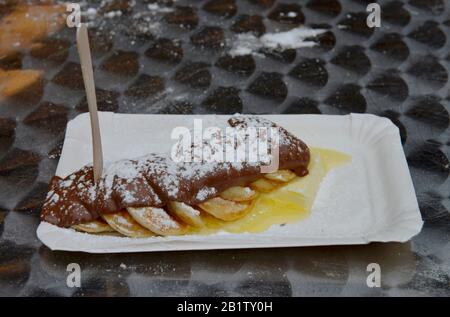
156,179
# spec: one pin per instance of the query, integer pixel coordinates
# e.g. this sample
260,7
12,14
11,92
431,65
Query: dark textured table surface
170,56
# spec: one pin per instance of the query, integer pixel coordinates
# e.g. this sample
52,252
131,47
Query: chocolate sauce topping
155,179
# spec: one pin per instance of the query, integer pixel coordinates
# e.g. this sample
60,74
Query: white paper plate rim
386,209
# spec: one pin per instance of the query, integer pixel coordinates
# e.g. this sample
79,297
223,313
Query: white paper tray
370,199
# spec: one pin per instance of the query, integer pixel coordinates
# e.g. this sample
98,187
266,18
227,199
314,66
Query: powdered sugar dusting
157,217
205,192
192,211
247,43
161,217
124,169
154,179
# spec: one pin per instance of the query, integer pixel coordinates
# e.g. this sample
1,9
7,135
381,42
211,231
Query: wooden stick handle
88,78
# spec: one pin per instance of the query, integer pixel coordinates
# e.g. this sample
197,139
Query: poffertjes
153,195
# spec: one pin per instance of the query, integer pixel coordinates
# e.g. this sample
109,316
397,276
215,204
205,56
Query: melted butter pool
288,203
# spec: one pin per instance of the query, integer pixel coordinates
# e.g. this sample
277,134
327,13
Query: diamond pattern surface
171,56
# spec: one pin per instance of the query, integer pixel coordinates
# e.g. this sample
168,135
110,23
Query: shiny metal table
399,71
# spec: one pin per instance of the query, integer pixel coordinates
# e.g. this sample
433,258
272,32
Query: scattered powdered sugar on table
146,21
158,8
247,43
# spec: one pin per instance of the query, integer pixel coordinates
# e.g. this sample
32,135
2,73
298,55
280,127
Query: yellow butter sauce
288,203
